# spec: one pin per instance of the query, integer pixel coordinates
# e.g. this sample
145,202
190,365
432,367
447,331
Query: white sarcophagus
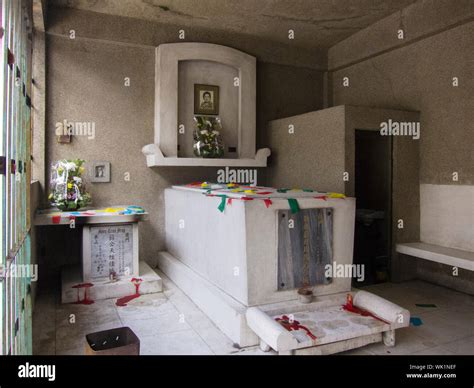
241,253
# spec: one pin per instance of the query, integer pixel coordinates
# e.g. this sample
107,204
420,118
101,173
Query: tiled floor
169,323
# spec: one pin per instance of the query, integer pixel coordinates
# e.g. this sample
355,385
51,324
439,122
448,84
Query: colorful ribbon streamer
293,205
336,195
221,207
323,197
291,325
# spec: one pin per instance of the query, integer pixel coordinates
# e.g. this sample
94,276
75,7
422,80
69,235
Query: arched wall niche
177,60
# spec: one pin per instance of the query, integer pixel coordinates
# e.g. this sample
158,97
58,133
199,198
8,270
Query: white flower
204,132
215,132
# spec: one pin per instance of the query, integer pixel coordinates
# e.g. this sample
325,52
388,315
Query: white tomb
227,263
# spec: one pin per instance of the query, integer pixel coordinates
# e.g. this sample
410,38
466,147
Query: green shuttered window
15,102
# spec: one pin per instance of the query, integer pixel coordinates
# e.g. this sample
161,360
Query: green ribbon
221,207
293,205
282,190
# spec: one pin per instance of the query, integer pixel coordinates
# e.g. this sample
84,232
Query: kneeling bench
328,327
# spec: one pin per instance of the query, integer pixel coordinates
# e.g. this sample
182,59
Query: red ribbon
268,202
294,325
229,201
348,306
56,219
323,197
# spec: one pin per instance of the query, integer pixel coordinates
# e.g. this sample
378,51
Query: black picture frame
206,99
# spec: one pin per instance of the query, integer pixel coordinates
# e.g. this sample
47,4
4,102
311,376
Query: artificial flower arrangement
67,187
207,139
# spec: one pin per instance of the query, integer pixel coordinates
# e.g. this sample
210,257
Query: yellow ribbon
114,209
336,195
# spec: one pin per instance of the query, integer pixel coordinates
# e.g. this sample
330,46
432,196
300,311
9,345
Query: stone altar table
110,256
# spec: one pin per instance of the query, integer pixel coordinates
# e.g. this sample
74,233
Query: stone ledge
439,254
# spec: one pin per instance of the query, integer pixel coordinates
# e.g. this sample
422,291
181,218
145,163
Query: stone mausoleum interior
237,177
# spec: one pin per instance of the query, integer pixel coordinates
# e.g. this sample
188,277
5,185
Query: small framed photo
64,139
100,172
206,99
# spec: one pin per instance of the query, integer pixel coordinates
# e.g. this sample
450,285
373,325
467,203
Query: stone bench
439,254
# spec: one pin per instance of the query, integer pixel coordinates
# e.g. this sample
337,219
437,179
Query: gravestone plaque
111,251
305,246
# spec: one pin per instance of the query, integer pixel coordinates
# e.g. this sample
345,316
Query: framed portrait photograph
206,99
100,172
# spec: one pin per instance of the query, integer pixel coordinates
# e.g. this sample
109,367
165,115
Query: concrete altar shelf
110,258
116,214
154,158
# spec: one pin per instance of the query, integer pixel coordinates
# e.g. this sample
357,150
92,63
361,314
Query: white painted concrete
439,254
226,313
330,324
167,80
154,157
396,315
236,251
447,215
270,332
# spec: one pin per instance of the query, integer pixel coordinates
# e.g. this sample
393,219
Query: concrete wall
38,99
322,148
417,74
308,150
85,81
447,215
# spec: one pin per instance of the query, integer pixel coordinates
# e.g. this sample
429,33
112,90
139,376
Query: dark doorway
373,187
